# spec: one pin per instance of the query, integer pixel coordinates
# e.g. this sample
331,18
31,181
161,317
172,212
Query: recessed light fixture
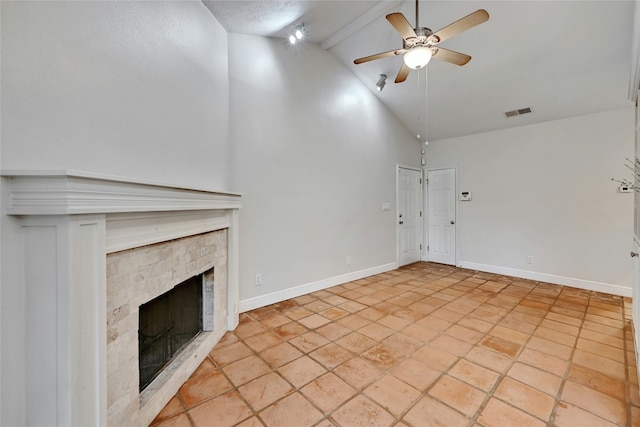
299,33
381,82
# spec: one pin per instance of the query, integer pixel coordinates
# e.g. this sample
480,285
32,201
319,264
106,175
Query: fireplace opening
166,325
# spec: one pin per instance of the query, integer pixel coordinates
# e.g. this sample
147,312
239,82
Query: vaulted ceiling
560,58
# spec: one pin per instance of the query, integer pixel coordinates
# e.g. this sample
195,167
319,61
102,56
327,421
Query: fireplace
96,249
135,278
166,324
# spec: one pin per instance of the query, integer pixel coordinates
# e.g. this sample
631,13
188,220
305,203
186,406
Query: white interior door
409,215
441,195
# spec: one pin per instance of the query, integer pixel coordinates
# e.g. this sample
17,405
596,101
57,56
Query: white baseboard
285,294
550,278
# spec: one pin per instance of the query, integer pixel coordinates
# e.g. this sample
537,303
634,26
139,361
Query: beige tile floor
425,345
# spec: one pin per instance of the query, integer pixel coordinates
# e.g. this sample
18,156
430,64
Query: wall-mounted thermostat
625,189
465,196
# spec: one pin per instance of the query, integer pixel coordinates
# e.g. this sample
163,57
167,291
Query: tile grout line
565,376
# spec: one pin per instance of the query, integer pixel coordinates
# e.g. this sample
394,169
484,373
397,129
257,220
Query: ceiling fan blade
463,24
378,56
451,56
401,25
403,73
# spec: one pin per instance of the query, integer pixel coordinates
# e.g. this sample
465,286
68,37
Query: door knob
400,215
401,222
633,254
452,222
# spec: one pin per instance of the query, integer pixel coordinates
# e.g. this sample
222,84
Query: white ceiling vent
518,112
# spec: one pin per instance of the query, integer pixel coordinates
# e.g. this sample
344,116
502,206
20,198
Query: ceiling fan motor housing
423,38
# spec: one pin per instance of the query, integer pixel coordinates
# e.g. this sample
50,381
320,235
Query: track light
381,82
298,34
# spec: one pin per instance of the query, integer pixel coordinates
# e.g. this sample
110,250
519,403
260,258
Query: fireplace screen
167,324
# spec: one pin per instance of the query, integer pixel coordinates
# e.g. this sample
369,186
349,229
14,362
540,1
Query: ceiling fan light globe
417,57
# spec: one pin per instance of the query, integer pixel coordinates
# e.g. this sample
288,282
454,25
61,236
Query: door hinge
420,180
420,214
427,247
420,246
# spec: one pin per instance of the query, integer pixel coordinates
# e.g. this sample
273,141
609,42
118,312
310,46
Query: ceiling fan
420,44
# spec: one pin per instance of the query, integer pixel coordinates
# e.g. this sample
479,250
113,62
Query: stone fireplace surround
74,224
136,276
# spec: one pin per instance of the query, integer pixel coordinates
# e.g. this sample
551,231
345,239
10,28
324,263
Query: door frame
395,218
426,210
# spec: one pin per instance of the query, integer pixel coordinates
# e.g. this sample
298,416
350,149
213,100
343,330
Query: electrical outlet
258,279
348,260
529,259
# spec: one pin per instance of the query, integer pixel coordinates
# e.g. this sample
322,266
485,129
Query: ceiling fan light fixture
418,57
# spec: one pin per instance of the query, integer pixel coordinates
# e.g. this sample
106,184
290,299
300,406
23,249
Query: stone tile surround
134,277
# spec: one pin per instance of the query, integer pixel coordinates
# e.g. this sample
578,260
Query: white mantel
68,222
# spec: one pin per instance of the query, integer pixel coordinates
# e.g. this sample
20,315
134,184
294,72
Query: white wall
314,154
545,191
137,89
